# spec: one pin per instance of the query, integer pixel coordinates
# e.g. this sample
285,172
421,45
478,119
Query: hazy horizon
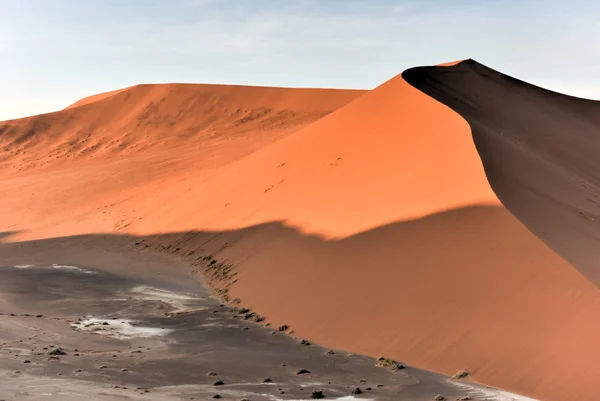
58,52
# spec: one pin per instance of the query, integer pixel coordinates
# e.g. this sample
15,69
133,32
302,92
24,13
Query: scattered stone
461,374
12,314
330,352
217,396
26,361
57,351
267,380
124,370
53,358
283,327
439,397
38,316
305,342
380,385
357,391
389,363
78,370
211,374
317,394
464,398
243,311
218,383
302,371
258,318
103,367
245,328
362,381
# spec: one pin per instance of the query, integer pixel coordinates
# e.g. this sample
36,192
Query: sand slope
373,229
150,116
540,151
94,98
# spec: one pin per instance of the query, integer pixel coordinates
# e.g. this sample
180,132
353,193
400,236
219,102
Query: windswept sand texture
371,228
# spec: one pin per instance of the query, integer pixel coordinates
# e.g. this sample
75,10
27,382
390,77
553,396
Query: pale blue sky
54,52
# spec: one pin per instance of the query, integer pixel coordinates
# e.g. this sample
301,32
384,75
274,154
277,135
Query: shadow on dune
463,289
7,234
539,149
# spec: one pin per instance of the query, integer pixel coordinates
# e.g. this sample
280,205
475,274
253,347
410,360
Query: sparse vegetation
389,363
461,374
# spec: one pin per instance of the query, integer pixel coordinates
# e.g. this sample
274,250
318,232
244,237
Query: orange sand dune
373,229
147,116
94,98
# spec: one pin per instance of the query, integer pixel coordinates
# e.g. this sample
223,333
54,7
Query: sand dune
539,149
150,116
95,98
371,228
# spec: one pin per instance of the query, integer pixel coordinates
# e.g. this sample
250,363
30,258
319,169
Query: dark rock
305,342
211,374
57,351
218,383
317,394
368,388
38,316
357,391
217,396
283,327
267,380
461,375
439,397
302,371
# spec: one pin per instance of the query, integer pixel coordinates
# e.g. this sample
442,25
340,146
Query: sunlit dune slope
149,116
94,98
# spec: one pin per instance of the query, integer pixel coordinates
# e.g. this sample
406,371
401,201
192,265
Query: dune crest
539,149
94,98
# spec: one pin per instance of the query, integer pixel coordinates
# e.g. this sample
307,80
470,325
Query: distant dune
94,98
147,116
363,220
